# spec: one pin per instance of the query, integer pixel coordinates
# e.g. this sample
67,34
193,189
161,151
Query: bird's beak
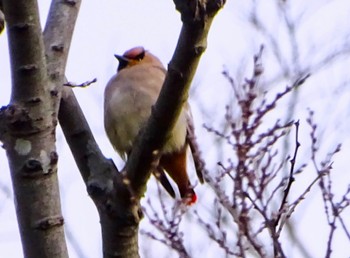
123,61
121,58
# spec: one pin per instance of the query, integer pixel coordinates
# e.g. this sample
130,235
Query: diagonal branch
96,170
197,17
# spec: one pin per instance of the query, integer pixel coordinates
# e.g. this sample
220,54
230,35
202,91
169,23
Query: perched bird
129,97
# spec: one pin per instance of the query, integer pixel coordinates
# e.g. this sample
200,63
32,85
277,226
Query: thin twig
291,174
81,85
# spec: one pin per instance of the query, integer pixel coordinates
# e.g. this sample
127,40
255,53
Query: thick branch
28,64
119,216
88,156
57,39
197,17
29,135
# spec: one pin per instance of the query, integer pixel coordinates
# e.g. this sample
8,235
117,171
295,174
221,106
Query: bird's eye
140,56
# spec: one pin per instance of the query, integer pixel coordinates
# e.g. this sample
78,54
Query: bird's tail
188,195
175,165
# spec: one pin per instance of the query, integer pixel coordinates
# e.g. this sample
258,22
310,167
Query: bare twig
217,233
291,175
332,208
81,85
168,224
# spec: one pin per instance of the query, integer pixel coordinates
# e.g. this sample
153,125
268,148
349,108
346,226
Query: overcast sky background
107,27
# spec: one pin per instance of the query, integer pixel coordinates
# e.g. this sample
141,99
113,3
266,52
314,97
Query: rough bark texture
29,136
58,35
28,123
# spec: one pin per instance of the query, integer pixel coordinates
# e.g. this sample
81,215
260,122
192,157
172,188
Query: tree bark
29,136
28,123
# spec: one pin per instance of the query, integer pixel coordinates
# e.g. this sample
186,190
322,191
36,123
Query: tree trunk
28,133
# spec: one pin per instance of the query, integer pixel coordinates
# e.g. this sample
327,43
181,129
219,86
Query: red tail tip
190,199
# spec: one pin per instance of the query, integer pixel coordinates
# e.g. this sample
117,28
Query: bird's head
135,56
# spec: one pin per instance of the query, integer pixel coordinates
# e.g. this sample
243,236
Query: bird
128,99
